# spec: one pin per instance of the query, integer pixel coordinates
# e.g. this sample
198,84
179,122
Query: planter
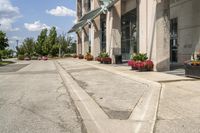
80,56
106,60
98,59
192,70
141,65
74,56
89,58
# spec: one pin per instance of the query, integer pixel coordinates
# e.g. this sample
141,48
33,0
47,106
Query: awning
90,16
77,26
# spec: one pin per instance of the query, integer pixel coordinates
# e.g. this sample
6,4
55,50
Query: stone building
167,30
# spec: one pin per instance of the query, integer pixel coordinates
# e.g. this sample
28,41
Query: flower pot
106,60
192,70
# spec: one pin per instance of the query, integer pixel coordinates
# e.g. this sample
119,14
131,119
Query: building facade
168,31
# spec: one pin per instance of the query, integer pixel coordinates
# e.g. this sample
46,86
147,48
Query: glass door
128,40
174,40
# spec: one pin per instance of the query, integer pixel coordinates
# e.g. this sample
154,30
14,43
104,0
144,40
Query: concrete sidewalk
113,98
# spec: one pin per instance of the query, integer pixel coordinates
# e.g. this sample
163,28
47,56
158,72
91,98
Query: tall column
154,32
142,25
79,34
95,31
79,44
84,30
162,35
113,33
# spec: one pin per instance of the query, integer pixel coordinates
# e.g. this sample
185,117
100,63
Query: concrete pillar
78,34
142,26
162,36
95,31
79,44
154,32
84,35
85,41
113,33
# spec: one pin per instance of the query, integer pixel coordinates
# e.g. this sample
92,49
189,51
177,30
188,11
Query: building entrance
128,40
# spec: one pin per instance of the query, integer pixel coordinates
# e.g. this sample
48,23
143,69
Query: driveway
33,99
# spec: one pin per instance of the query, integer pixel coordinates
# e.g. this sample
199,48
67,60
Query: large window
128,40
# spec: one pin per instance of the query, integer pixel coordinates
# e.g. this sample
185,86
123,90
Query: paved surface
12,67
34,100
110,101
178,108
116,95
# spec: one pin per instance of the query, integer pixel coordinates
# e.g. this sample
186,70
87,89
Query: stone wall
188,14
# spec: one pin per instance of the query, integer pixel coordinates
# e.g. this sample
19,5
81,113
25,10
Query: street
76,96
34,100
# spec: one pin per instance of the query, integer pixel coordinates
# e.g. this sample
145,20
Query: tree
61,41
3,43
27,48
52,39
40,42
3,40
49,42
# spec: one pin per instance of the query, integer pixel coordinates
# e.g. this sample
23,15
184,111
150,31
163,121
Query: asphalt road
33,99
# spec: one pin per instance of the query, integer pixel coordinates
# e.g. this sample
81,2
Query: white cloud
8,15
13,41
61,11
36,26
16,38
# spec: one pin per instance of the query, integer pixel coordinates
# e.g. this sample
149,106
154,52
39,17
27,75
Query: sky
26,18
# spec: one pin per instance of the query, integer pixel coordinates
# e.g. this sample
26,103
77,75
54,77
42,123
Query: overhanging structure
90,16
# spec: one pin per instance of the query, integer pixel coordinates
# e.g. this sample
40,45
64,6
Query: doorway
128,38
174,41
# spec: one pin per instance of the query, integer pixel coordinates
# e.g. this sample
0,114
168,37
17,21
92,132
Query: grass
4,63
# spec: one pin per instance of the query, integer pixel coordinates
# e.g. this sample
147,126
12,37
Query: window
128,39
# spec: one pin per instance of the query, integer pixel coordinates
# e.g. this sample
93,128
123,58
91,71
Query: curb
142,119
83,102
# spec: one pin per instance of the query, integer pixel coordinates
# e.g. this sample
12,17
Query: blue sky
25,18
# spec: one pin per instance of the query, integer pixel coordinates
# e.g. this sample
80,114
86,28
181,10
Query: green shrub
103,55
55,50
139,57
20,57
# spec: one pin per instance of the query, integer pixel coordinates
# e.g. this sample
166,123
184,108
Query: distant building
167,30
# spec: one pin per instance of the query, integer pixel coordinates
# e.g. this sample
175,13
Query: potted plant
88,57
140,62
98,58
192,67
74,56
80,56
104,58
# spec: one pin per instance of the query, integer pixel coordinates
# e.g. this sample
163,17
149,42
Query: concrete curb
88,109
142,119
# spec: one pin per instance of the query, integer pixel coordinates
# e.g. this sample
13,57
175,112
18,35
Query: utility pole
17,41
